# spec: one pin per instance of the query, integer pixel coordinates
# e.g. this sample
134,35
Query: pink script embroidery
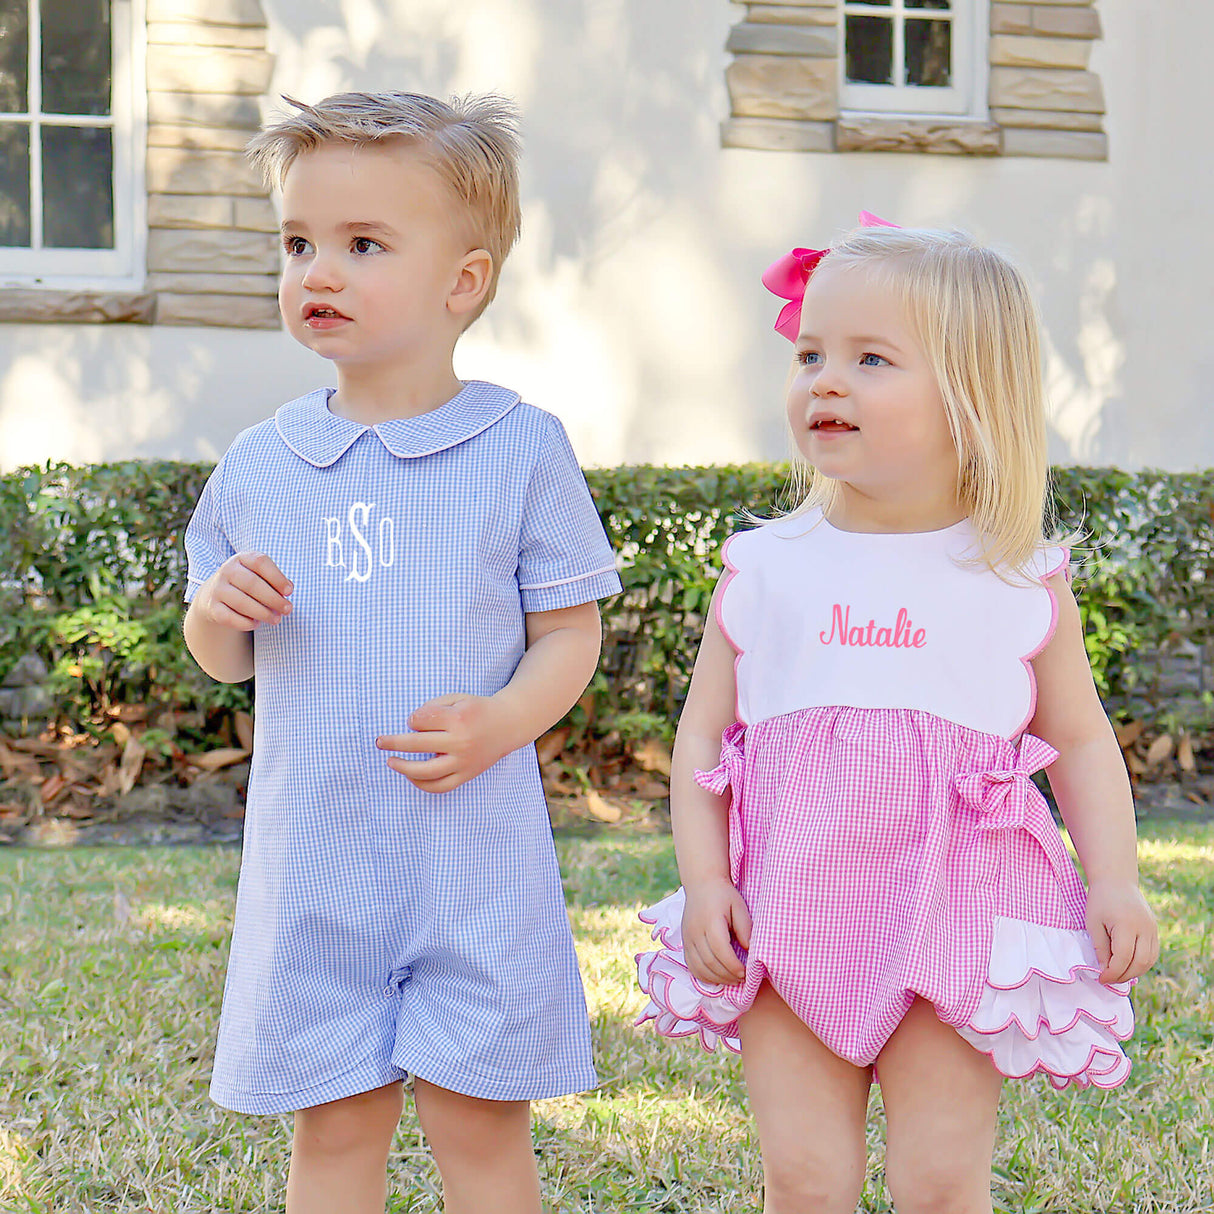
901,636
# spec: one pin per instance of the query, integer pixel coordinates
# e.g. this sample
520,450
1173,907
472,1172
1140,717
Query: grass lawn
111,968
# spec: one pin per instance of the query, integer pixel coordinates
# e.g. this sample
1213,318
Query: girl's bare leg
809,1105
339,1155
941,1097
483,1150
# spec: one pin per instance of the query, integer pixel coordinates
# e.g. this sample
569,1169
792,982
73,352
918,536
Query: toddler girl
872,884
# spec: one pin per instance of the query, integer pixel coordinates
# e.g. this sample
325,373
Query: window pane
928,53
75,56
14,185
870,50
77,188
928,4
14,58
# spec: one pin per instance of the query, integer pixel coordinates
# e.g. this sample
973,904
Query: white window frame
965,97
122,267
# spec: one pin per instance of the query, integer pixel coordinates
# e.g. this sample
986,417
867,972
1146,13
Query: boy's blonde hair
471,142
975,320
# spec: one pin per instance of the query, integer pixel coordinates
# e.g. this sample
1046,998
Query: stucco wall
632,306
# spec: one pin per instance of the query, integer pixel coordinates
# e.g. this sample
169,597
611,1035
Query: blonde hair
471,142
978,327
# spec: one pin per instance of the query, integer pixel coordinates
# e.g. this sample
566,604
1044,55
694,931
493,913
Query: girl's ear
471,283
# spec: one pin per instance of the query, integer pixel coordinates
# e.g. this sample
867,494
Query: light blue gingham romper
382,931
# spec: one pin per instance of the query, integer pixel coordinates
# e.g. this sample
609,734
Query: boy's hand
714,916
248,589
1123,930
467,734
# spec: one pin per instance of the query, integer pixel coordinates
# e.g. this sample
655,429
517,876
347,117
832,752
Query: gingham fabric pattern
382,931
886,853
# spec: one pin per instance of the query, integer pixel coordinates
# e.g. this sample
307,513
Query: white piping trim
566,580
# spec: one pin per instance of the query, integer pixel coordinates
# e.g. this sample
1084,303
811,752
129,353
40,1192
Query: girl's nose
828,382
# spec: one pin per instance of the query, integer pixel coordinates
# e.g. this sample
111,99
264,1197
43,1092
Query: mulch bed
62,788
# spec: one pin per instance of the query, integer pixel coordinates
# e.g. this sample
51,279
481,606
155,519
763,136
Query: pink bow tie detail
1003,797
788,276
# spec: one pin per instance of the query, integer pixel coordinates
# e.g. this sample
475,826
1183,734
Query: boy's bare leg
483,1150
339,1155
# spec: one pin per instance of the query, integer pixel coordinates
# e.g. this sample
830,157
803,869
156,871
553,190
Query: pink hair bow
789,276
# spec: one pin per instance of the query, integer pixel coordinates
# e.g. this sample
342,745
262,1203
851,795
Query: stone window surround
212,233
1043,98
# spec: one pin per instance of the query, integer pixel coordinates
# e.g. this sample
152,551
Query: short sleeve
564,557
206,543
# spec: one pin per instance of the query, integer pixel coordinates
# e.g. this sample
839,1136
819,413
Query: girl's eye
872,360
808,358
294,245
364,244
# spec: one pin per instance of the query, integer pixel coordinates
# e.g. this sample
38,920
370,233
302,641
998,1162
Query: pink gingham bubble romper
883,827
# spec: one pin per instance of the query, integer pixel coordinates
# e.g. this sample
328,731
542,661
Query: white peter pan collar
322,438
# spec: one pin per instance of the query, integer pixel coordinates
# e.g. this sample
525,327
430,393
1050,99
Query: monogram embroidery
903,635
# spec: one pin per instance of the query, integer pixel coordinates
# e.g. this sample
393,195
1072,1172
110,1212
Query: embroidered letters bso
364,542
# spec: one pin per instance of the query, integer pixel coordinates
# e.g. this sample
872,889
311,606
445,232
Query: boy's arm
248,589
1089,782
468,734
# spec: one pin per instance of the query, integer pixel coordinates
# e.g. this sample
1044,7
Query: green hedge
91,573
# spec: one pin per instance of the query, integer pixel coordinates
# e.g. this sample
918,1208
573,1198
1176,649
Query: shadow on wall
87,393
91,392
617,309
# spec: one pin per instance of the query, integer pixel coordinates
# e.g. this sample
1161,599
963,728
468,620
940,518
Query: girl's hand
713,917
1123,930
466,734
248,589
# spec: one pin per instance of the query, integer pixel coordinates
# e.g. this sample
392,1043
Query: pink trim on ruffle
1043,1009
679,1005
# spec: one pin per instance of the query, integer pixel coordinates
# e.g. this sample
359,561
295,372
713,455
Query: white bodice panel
822,617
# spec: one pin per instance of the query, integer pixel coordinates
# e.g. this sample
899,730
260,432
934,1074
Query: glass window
67,164
914,57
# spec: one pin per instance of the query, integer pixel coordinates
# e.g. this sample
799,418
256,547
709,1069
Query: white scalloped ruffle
1044,1011
679,1006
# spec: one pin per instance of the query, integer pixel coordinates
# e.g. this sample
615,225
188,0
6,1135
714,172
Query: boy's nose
322,274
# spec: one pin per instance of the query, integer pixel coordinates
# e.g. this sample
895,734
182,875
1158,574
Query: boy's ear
472,282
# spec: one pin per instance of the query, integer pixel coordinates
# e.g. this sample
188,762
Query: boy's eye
294,245
872,360
364,244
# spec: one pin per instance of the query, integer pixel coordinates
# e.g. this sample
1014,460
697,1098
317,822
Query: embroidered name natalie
903,635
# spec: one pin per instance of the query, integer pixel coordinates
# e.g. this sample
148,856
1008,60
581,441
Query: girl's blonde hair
471,142
978,327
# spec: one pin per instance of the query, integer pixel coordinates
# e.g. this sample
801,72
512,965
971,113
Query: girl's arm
715,911
468,734
1089,782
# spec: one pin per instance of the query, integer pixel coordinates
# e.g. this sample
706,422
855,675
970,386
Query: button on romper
383,931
